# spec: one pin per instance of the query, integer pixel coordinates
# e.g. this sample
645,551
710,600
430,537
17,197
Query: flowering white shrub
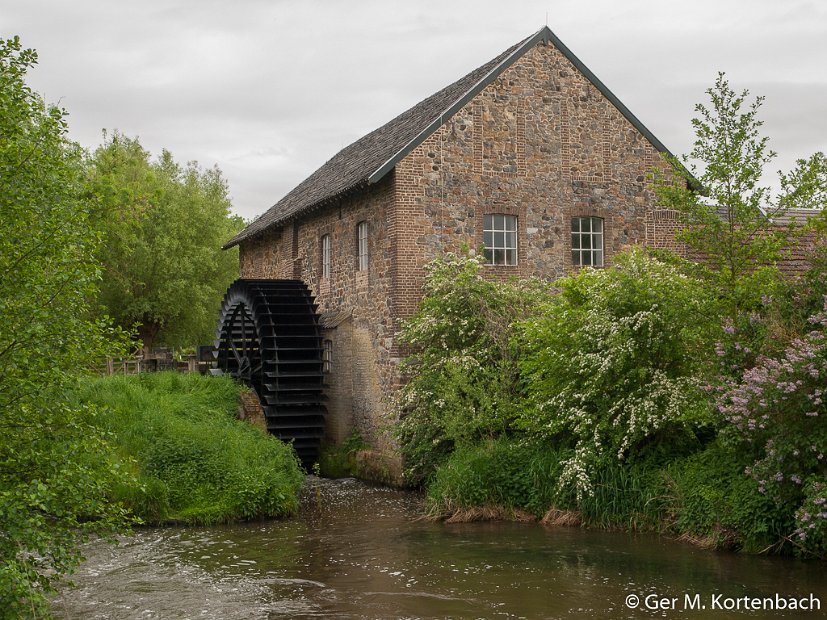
615,363
462,375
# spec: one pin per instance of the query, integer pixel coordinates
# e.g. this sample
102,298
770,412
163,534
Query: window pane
575,224
586,242
575,242
598,258
489,256
499,257
510,222
498,222
511,240
487,222
597,224
575,258
585,224
587,258
511,257
499,240
487,239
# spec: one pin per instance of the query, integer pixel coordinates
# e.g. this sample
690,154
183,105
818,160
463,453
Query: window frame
362,246
585,240
326,257
500,239
327,356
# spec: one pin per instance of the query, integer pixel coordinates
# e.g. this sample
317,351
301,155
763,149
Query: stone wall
363,375
540,143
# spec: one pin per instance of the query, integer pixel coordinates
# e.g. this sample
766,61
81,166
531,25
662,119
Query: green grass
193,461
705,496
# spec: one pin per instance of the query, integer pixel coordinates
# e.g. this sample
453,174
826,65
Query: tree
54,474
164,269
730,221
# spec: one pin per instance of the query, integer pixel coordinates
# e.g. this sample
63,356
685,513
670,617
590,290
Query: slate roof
796,217
370,158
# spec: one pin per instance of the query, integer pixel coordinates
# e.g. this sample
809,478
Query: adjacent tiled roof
794,216
370,158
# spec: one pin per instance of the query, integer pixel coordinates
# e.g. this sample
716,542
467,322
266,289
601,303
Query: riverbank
632,397
704,498
191,460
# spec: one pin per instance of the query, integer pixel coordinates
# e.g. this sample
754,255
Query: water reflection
359,552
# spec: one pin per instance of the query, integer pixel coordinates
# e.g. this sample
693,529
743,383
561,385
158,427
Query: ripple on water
358,551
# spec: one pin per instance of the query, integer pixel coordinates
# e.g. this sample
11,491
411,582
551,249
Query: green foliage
194,461
54,480
522,474
805,187
777,409
462,379
810,536
614,365
164,227
501,472
340,461
711,498
730,226
705,496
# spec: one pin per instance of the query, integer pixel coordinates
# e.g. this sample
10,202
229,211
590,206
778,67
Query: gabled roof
370,158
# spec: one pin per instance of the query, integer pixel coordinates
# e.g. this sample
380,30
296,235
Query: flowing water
358,551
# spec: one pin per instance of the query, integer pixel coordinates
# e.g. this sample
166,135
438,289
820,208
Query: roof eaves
246,234
540,35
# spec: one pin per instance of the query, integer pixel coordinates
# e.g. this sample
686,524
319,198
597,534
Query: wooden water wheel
268,337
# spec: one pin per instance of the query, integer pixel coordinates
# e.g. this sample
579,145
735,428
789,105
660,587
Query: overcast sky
268,90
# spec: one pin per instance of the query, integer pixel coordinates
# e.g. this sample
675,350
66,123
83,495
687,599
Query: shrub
614,365
713,500
810,536
462,378
507,473
777,409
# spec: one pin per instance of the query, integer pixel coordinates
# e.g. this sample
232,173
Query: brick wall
364,375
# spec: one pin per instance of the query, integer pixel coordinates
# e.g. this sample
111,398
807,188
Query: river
359,551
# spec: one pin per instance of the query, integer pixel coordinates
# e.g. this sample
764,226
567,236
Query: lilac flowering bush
811,518
778,409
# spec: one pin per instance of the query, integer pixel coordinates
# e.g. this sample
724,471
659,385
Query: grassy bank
705,497
192,461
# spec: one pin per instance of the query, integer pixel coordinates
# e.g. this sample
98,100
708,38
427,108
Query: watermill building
530,156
